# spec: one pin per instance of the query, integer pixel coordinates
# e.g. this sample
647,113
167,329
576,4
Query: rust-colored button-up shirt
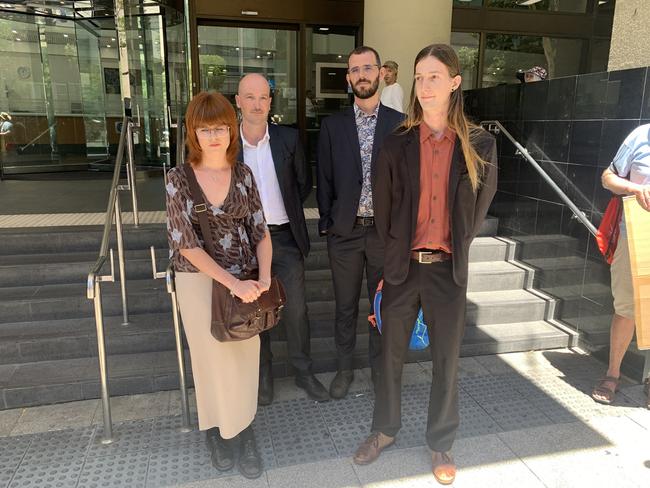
433,230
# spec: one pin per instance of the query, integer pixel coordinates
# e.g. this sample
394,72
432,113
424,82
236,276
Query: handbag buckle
201,207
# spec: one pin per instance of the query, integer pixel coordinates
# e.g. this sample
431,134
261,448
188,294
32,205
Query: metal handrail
496,127
93,290
168,275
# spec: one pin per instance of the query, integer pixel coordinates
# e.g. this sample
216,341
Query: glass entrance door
228,53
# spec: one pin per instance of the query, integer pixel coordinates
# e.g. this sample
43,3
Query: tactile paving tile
181,464
264,440
516,414
12,450
134,435
558,413
58,447
413,431
52,475
5,476
352,409
474,421
297,447
166,432
490,389
347,437
115,471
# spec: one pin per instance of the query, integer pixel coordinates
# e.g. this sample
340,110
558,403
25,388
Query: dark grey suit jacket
396,212
340,175
294,177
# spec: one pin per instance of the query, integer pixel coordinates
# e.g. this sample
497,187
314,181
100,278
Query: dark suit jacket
396,212
340,175
294,177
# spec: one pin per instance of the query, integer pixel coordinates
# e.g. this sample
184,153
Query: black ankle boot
250,461
220,450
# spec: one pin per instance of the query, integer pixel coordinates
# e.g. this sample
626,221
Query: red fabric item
609,229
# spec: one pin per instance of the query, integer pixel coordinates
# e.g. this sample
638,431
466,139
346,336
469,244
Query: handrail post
120,260
180,353
130,168
107,436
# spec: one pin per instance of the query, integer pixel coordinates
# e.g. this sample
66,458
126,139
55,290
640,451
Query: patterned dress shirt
366,125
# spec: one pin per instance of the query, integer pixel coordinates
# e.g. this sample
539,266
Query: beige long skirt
226,374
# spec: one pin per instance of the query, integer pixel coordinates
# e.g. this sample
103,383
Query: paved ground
526,421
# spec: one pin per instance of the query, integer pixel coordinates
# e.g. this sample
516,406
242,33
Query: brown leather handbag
232,319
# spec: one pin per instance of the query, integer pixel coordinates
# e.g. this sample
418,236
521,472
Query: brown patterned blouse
238,225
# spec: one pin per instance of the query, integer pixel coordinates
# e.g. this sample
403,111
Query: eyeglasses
217,131
366,69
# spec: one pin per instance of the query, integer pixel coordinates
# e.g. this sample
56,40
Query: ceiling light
18,39
258,56
113,39
236,49
325,29
528,2
108,45
268,53
65,35
14,32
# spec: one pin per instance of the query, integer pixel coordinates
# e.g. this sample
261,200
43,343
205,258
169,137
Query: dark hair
466,131
364,49
210,108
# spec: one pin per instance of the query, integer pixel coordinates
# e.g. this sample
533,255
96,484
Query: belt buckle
421,254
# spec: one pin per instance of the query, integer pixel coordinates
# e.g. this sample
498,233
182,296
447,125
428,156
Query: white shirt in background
393,96
260,160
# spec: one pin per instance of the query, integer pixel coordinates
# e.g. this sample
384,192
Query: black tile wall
573,127
624,91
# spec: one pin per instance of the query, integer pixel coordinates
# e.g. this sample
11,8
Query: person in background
392,95
628,174
435,181
275,156
536,73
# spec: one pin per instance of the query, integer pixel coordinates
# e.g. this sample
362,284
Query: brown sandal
602,393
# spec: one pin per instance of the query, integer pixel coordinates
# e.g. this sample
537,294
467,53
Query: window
466,45
505,54
577,6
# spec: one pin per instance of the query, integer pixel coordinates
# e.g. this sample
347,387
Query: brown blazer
397,190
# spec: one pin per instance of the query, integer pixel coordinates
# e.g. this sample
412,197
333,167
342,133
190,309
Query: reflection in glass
228,53
326,85
468,3
505,54
466,45
577,6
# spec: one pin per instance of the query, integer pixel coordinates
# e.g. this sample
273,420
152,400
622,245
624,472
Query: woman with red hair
225,373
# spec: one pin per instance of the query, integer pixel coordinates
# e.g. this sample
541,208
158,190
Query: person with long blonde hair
436,177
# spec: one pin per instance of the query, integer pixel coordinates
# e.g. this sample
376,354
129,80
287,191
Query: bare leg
622,332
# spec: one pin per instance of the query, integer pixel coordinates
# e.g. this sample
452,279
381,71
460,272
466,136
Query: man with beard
348,147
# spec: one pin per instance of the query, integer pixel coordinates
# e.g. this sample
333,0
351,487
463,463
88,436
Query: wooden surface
637,222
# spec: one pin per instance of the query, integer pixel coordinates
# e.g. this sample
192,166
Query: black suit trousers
289,266
349,256
432,287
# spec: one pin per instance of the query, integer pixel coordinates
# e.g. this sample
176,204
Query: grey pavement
526,420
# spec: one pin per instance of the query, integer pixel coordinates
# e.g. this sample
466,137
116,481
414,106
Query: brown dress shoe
371,448
443,468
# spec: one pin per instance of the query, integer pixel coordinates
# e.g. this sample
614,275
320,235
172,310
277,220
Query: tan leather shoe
443,468
371,448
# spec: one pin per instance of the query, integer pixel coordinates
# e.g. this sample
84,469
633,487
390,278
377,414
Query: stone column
399,29
630,35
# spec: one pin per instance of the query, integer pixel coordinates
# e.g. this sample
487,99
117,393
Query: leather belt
277,228
364,221
426,256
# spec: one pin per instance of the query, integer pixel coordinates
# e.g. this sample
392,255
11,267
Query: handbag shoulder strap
201,209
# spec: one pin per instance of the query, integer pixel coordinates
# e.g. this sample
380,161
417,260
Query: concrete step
546,246
53,337
77,239
566,270
65,380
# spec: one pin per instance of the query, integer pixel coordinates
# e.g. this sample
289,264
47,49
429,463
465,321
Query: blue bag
420,336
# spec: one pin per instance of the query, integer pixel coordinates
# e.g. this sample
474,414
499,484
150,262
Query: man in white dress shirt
274,154
392,95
